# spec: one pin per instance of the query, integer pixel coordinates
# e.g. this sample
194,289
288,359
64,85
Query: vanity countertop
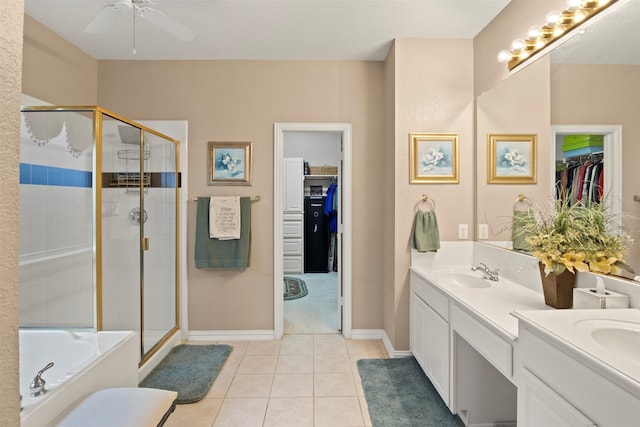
493,304
606,340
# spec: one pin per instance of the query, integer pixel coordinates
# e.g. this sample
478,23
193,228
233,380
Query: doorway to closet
312,259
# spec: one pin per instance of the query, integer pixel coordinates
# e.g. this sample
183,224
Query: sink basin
617,336
464,279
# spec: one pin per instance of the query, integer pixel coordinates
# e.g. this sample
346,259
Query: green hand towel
519,232
426,236
214,253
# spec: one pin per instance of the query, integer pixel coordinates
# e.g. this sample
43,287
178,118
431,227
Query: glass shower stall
98,224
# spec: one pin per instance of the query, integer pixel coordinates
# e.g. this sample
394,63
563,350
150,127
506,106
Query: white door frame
344,228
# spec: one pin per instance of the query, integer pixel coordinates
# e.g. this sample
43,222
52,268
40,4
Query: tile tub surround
301,380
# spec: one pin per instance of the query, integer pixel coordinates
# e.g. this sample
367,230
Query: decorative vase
558,288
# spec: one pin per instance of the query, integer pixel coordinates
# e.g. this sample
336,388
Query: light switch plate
483,231
463,231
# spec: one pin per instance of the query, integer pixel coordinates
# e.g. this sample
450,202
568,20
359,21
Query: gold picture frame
230,163
434,158
511,158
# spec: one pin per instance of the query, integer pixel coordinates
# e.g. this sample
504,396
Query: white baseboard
376,334
367,334
237,335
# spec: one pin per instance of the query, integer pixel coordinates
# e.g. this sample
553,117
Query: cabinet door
293,185
430,344
437,350
418,329
539,406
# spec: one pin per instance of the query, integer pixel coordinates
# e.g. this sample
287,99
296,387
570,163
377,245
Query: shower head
129,135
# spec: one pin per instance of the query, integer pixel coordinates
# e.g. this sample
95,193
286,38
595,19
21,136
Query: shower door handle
145,243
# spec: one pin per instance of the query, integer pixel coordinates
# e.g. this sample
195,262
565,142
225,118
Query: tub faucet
37,385
487,272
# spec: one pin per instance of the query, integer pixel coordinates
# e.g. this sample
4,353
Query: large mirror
590,84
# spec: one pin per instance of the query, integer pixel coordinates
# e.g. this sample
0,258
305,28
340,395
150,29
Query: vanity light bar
557,24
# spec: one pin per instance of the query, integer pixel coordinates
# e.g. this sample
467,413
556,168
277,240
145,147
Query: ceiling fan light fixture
141,9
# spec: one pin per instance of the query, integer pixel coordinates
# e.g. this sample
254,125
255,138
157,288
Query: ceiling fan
140,9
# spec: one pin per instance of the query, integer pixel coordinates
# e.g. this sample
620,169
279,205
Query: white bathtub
84,362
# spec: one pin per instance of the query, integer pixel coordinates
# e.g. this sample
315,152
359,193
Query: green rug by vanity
294,288
188,369
399,394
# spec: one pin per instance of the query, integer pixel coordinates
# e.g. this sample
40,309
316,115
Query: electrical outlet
463,231
483,231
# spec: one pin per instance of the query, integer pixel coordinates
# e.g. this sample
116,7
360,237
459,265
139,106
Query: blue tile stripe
50,175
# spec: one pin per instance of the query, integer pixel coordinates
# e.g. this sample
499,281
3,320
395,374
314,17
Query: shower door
159,237
138,232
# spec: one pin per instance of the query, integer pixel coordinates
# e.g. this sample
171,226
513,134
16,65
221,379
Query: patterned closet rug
294,288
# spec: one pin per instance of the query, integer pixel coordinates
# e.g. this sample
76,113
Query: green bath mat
399,394
188,369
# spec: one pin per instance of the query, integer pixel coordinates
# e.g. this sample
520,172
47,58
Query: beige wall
582,96
240,101
55,70
433,94
11,25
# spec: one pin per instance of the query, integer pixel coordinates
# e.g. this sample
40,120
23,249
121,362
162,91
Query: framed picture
433,158
511,159
230,163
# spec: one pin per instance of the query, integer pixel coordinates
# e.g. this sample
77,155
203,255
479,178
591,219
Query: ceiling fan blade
105,18
168,24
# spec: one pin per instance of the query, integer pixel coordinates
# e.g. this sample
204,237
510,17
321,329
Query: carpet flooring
188,369
294,288
399,394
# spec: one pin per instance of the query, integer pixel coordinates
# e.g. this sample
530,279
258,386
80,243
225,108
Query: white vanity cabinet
558,389
429,339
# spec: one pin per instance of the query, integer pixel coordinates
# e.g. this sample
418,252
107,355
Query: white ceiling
268,29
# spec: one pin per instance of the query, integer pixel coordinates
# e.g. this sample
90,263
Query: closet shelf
319,177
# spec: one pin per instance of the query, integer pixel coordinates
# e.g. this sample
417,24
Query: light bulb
573,5
533,33
517,45
504,56
553,17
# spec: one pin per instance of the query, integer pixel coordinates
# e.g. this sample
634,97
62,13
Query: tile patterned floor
300,381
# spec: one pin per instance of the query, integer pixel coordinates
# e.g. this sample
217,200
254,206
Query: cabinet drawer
495,349
292,229
429,294
292,264
292,216
292,247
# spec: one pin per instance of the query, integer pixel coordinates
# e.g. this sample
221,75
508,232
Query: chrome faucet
487,272
37,385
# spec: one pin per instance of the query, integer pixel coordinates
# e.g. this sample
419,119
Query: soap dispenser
598,297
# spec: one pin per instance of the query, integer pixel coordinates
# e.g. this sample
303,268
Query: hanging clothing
581,181
331,207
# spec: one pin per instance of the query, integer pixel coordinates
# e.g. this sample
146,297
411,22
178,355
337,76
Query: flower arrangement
576,237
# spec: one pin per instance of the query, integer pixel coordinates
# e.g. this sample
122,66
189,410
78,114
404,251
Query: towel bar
252,198
427,200
523,199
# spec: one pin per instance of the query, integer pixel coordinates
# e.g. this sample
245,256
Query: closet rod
252,198
583,158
